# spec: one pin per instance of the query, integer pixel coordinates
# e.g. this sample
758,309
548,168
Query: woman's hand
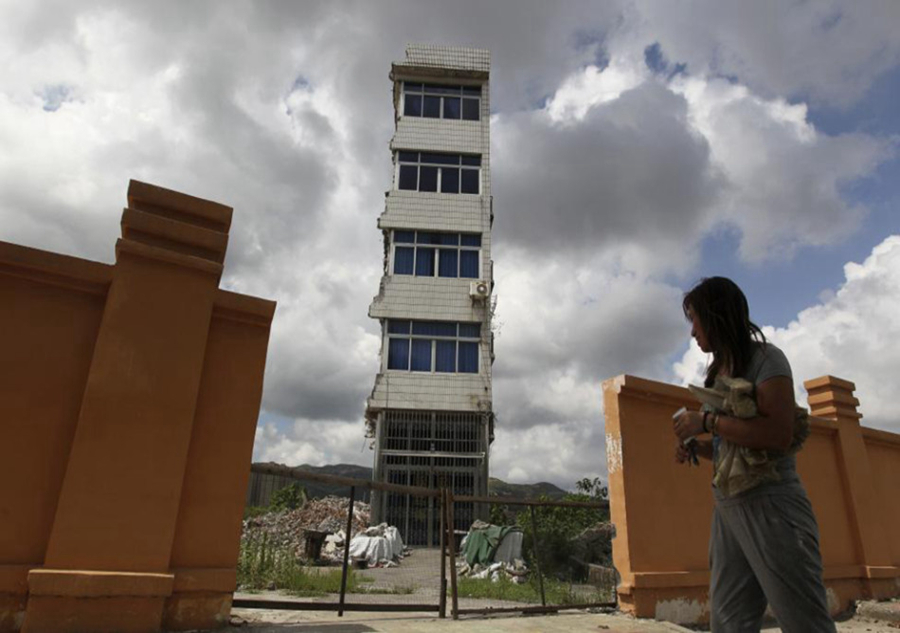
681,452
688,424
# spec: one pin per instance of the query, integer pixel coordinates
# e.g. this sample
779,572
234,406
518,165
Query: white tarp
377,545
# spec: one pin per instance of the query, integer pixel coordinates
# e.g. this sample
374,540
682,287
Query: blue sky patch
55,96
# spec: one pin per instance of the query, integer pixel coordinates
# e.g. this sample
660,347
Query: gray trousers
764,547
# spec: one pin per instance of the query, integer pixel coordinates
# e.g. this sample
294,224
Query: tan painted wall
129,396
662,510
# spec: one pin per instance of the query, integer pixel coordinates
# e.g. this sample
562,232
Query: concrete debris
292,529
594,544
378,546
514,572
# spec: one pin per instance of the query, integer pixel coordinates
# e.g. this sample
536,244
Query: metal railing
424,580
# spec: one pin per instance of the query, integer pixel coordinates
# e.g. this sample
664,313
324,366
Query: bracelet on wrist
714,424
705,418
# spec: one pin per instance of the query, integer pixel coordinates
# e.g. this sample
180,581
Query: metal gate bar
293,605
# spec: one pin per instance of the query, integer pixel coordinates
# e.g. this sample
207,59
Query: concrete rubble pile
515,572
289,529
594,544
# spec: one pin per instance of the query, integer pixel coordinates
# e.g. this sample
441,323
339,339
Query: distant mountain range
496,487
499,488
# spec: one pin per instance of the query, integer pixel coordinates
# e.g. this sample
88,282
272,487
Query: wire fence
533,555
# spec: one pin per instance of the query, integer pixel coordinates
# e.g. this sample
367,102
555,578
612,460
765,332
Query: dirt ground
421,570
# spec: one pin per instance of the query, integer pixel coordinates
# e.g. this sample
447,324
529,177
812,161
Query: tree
593,488
289,498
558,527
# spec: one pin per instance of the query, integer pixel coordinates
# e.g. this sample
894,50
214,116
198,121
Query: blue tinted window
434,346
404,237
398,327
470,110
421,355
425,262
412,105
469,330
449,180
452,108
469,181
472,91
468,159
403,260
471,239
450,239
398,353
448,262
468,358
412,87
424,237
408,157
428,178
445,356
434,328
444,90
432,108
408,177
468,264
440,159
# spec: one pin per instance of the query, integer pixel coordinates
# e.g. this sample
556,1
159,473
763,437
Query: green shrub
556,592
251,512
263,565
288,498
558,526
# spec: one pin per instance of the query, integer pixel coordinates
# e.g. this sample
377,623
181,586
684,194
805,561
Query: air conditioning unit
479,289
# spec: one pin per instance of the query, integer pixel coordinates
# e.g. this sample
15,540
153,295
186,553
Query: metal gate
430,449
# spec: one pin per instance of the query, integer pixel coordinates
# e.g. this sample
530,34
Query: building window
434,101
446,173
428,254
433,346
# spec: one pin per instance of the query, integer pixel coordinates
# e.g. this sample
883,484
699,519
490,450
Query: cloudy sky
637,147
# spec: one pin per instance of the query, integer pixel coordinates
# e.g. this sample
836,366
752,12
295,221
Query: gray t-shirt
769,362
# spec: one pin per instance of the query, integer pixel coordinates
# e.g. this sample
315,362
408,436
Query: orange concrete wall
129,396
662,510
883,450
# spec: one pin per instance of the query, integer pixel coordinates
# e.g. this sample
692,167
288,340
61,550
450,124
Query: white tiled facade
417,394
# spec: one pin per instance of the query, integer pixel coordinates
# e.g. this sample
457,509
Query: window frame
464,163
459,247
442,91
434,339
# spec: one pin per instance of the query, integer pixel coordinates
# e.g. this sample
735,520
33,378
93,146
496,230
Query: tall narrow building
431,410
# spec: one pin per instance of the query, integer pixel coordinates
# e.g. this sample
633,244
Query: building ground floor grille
430,449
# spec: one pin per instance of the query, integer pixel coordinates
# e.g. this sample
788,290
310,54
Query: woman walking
764,543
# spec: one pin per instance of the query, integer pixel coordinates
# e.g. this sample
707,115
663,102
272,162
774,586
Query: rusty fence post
451,536
442,603
345,570
537,564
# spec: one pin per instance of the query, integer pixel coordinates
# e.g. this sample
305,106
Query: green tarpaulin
481,544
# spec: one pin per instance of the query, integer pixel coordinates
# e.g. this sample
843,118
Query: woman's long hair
724,315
